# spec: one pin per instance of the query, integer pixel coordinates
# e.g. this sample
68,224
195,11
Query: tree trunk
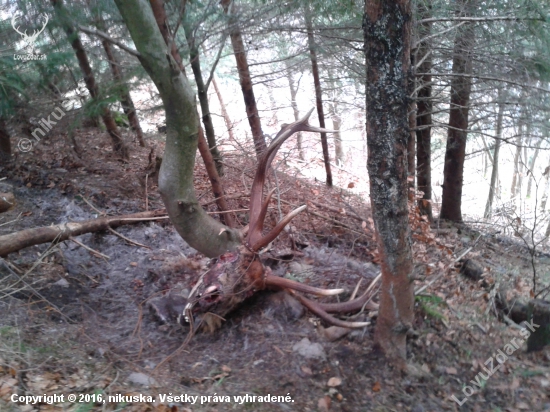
336,125
424,107
119,146
387,29
318,95
125,99
246,81
151,37
494,173
215,181
453,172
517,165
5,143
532,163
293,94
202,92
546,175
225,115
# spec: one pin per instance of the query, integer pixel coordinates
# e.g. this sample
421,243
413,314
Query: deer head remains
236,275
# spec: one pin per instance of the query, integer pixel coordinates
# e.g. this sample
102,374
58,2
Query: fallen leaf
351,185
226,369
376,387
451,371
306,369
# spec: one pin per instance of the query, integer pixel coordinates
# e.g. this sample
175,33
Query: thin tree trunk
125,99
202,92
544,199
494,173
160,16
246,81
217,188
461,86
532,163
293,94
119,146
387,29
336,125
5,143
225,115
318,94
517,165
424,107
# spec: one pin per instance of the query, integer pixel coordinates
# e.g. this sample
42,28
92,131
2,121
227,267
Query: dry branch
30,237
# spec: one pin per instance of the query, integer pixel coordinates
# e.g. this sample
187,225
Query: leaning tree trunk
424,107
293,94
387,29
494,173
246,81
194,225
318,94
202,92
457,133
225,115
119,146
125,99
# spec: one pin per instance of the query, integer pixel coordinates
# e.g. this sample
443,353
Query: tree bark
119,146
202,92
424,107
125,99
457,134
494,173
294,105
318,94
194,225
246,81
387,30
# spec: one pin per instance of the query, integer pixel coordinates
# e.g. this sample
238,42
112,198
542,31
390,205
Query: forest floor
75,322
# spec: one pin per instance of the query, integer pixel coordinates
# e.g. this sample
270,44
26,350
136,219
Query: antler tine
265,240
271,280
263,211
256,192
350,306
317,310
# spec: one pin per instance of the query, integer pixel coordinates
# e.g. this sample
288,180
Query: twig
89,249
127,239
11,221
93,207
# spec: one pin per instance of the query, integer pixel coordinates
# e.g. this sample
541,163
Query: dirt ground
76,322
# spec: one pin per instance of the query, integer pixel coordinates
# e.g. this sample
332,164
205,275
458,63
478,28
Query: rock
309,350
141,379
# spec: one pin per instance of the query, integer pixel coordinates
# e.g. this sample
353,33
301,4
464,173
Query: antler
13,19
258,210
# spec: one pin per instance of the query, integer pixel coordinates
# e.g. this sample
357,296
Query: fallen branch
30,237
